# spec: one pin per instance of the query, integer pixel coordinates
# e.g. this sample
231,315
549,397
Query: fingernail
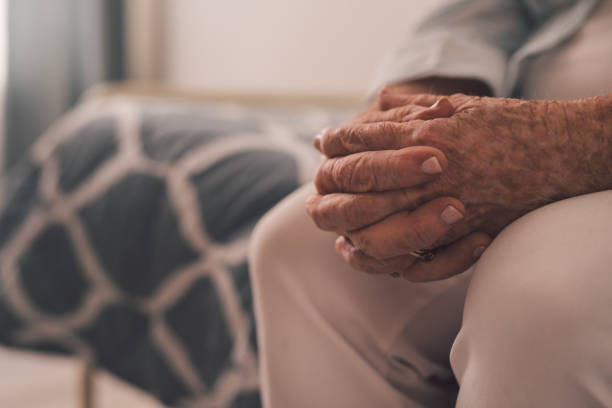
451,215
431,166
439,102
478,251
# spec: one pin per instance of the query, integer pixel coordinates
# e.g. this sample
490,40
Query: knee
553,262
541,290
276,237
268,241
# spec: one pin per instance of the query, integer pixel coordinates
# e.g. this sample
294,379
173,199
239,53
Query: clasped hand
424,171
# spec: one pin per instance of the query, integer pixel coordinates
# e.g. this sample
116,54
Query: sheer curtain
56,49
3,67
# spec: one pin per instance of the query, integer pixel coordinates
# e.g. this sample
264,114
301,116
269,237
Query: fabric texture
490,40
333,337
123,240
579,68
535,330
529,325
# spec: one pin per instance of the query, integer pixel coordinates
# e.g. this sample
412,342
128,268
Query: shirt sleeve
463,39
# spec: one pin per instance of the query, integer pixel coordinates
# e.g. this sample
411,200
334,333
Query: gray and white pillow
123,239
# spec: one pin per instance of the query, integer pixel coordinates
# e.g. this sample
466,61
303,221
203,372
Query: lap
560,254
551,265
403,331
336,289
539,306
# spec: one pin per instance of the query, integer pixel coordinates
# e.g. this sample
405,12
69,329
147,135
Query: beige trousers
536,328
530,325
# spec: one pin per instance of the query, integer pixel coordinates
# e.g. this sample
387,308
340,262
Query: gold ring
423,255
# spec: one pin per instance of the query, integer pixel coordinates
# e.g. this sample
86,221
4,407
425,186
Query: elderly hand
381,190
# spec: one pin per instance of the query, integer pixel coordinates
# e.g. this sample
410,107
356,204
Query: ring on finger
422,254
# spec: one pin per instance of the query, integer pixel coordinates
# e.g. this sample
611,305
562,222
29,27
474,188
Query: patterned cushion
123,239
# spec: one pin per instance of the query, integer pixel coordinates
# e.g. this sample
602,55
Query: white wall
320,47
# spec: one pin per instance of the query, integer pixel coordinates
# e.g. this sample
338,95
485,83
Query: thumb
442,108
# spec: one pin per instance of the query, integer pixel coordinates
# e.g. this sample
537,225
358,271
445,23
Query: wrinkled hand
497,159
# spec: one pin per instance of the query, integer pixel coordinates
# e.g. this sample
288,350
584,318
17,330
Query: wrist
589,133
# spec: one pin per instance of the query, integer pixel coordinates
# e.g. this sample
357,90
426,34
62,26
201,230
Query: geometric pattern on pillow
123,239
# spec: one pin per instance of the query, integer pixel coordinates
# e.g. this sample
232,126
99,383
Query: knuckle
327,138
426,133
319,180
353,138
406,109
386,128
351,174
351,211
316,212
372,249
408,113
383,97
357,173
324,177
326,216
341,171
311,205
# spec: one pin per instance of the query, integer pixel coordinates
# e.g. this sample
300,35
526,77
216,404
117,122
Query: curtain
56,50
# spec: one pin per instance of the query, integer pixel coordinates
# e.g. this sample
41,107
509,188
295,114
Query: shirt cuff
443,55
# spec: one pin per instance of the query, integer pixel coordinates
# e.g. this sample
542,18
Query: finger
353,138
380,170
343,212
450,260
360,261
390,100
402,112
406,231
379,130
344,140
392,115
441,109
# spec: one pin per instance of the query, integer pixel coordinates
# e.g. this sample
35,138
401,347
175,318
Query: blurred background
322,52
316,50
